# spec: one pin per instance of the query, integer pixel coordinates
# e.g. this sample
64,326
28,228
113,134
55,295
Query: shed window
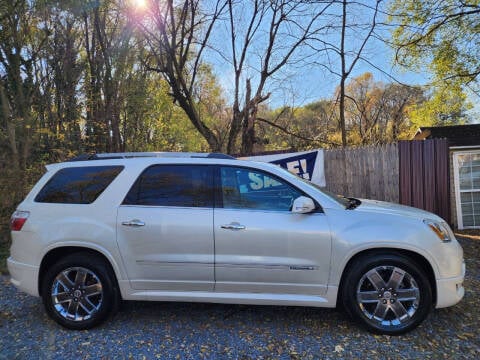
467,167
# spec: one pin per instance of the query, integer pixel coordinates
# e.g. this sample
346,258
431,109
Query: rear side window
78,185
173,185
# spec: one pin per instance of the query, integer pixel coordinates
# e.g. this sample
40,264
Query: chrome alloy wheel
76,294
388,296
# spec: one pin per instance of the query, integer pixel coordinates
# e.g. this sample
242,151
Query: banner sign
301,165
308,165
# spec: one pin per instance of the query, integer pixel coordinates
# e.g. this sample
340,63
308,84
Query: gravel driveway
143,330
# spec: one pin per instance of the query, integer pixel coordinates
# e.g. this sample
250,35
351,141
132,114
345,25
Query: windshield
342,200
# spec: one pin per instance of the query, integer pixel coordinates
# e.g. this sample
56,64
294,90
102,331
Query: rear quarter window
78,185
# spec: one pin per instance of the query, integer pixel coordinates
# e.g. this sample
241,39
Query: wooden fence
370,172
414,173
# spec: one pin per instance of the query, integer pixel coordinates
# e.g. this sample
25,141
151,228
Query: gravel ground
143,330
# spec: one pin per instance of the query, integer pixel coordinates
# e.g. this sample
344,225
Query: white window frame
456,182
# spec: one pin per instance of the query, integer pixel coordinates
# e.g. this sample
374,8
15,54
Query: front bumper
23,276
450,290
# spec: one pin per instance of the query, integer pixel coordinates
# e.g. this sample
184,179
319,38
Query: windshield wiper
352,203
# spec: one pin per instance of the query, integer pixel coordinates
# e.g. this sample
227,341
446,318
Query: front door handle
133,223
233,226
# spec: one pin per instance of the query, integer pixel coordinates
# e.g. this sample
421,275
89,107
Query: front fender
353,233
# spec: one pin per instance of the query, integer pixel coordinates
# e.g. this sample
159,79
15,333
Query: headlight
441,229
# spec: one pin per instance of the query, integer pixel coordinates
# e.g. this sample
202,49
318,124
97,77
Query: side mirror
303,205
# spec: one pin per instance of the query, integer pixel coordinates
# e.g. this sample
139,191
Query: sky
316,84
308,81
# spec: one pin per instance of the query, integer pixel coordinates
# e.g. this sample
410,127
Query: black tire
387,293
79,291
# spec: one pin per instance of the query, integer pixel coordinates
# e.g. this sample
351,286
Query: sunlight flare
139,4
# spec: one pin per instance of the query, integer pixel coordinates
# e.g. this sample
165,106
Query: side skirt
328,300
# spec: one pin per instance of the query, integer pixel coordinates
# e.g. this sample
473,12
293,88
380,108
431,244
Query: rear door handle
133,223
233,226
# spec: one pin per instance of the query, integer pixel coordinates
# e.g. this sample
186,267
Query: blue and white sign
307,164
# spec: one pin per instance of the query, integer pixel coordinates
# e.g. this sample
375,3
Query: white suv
210,228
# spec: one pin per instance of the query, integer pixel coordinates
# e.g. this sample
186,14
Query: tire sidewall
99,268
362,266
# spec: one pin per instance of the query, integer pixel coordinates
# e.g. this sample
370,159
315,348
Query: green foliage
152,122
447,105
441,36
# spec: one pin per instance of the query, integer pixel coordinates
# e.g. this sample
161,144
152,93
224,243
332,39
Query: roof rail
166,154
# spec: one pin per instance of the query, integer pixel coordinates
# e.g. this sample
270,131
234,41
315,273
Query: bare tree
347,68
285,27
264,36
344,44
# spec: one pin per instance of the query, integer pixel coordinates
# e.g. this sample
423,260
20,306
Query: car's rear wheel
79,291
387,293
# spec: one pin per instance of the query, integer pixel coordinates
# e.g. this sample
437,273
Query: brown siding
424,175
443,178
429,177
405,161
417,184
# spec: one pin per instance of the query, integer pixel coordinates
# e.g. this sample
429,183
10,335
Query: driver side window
244,188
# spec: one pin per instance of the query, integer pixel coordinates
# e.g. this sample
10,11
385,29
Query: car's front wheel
388,293
79,291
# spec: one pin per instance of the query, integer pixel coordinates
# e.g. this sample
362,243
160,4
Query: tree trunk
344,76
248,125
342,112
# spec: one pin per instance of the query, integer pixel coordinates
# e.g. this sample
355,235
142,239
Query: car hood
382,207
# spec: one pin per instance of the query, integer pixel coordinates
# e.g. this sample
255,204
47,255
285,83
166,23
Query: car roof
163,154
146,159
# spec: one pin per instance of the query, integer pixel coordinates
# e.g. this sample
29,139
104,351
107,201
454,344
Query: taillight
18,219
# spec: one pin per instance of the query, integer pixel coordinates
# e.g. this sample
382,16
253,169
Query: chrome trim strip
231,265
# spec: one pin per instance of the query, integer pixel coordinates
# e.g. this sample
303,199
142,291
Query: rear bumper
450,290
23,276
